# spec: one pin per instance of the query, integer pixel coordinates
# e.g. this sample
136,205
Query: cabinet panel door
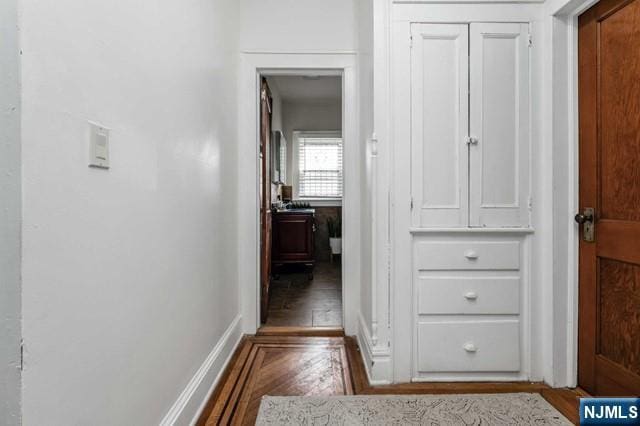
439,124
499,120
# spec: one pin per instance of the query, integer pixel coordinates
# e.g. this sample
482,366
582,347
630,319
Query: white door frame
561,91
252,66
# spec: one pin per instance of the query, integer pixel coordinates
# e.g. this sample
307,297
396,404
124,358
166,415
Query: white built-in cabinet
470,311
470,131
470,199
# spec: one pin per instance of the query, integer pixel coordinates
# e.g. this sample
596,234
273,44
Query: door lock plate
587,220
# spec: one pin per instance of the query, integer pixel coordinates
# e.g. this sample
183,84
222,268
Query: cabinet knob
470,347
471,295
471,254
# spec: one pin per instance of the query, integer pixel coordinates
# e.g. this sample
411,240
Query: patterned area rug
491,409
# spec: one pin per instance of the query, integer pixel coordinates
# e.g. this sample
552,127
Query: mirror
278,157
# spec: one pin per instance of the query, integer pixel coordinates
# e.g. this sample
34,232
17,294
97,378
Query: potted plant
335,234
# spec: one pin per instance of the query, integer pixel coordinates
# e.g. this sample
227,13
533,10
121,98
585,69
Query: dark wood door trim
265,198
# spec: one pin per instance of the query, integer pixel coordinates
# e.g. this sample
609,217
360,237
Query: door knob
582,218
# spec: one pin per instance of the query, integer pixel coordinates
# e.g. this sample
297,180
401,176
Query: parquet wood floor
293,365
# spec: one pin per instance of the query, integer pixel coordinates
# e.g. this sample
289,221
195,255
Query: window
319,165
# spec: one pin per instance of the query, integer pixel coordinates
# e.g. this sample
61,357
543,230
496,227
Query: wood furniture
293,238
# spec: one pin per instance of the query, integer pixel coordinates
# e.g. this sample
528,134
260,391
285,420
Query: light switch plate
98,146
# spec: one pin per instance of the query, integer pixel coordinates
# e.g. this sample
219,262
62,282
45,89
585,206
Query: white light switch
99,146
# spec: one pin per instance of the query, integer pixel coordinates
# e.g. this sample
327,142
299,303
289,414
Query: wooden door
609,92
439,124
265,198
499,124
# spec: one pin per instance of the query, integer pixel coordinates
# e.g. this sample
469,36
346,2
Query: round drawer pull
470,347
471,254
471,295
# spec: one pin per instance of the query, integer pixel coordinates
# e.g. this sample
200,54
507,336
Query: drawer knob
470,347
471,254
472,295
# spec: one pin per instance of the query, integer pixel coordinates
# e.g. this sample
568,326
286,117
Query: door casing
253,66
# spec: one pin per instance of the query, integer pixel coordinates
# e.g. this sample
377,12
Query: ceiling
302,88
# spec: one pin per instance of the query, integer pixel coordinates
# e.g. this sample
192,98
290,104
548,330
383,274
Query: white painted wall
128,284
10,205
365,91
298,25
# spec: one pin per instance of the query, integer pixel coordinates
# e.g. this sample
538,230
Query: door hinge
530,202
410,41
530,41
21,355
411,203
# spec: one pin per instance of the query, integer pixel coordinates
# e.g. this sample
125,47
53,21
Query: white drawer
468,255
468,295
469,346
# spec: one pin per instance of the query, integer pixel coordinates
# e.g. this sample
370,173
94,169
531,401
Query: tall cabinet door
439,124
499,125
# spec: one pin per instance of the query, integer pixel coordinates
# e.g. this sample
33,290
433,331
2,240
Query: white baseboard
192,400
377,361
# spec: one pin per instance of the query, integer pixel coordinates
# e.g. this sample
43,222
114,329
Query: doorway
609,192
301,175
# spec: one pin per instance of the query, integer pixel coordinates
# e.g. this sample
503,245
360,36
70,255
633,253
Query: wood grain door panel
265,198
609,102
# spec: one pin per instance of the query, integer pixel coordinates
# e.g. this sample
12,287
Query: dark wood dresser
293,238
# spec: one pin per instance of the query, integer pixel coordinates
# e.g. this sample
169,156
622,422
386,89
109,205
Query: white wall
128,284
365,91
10,203
298,25
308,116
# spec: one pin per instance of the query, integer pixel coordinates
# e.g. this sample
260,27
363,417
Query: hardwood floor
295,300
293,365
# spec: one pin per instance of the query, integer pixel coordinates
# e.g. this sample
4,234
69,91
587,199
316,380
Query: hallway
459,176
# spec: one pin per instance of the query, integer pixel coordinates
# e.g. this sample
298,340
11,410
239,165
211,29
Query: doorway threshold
268,330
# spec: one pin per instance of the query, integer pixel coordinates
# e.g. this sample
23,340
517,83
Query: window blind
320,167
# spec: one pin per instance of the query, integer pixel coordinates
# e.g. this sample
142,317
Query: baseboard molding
192,400
377,362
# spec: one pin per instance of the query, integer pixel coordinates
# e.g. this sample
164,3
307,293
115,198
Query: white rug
490,409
